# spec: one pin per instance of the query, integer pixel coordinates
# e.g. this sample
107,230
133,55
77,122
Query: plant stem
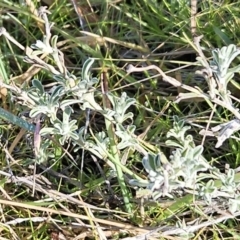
114,150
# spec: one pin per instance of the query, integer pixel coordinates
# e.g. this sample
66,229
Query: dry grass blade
109,223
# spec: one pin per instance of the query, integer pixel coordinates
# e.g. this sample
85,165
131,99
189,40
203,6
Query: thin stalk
114,150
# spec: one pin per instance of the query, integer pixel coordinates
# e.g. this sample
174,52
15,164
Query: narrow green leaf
16,120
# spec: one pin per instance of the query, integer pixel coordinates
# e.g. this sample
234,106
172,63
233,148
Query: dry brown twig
193,91
171,80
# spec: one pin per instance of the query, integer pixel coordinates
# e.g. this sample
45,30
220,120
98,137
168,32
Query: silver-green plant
223,74
222,59
56,105
182,169
187,171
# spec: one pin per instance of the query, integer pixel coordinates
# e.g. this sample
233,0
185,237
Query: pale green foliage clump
187,171
68,90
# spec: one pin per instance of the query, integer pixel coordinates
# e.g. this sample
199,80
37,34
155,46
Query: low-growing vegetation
119,119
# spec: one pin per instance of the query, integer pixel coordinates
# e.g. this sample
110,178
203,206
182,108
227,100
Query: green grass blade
16,120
